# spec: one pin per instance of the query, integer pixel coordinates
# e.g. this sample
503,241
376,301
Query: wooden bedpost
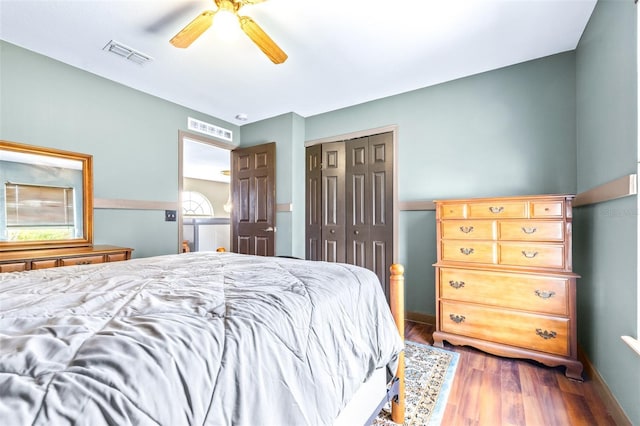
396,298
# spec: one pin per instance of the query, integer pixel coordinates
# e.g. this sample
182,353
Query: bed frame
396,300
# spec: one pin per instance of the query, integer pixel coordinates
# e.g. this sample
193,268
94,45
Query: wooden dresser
24,260
504,280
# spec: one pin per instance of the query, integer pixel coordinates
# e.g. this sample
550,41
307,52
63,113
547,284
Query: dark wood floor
489,390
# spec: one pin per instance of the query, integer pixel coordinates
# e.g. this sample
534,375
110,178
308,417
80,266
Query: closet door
381,202
333,205
313,213
358,208
369,191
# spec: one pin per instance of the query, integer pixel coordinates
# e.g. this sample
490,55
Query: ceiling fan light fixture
225,7
226,23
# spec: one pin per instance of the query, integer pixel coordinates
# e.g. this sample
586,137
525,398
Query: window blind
36,205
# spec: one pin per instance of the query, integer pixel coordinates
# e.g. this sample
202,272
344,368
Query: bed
198,338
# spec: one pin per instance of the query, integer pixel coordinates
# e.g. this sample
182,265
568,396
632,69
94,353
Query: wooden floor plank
496,391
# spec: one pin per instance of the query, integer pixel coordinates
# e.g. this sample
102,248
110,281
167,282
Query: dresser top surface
509,198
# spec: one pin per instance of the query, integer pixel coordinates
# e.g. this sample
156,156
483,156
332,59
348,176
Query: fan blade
262,40
193,30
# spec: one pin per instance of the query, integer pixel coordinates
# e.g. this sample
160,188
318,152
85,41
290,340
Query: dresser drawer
541,294
532,255
13,267
85,260
116,257
44,264
468,251
468,229
498,209
531,230
453,211
547,209
521,329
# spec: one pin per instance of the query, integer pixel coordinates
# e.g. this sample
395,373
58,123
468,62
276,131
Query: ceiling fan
203,21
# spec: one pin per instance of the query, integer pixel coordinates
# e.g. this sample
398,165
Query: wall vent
127,52
209,129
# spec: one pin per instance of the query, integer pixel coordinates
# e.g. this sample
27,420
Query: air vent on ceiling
209,129
127,52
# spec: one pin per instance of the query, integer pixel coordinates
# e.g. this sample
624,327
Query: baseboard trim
613,407
420,317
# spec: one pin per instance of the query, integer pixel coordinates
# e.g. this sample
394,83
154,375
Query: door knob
270,229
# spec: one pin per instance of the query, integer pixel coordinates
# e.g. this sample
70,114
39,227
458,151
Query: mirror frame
87,199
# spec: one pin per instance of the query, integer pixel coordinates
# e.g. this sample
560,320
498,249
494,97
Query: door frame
393,129
182,135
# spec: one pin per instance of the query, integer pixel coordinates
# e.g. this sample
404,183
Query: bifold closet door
313,201
333,202
349,203
369,204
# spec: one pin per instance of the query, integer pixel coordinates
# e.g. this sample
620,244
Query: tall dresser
504,280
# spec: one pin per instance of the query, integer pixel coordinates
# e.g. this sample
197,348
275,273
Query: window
43,212
196,204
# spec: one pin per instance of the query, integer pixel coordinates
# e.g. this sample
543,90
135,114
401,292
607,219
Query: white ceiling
341,52
204,161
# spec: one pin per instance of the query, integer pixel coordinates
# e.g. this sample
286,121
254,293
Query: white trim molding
111,203
284,207
618,188
633,343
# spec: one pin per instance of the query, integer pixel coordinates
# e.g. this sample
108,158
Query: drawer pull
84,262
529,230
466,229
456,284
546,334
496,210
544,294
466,251
457,318
529,254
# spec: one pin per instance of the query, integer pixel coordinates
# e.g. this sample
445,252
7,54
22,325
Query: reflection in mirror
45,197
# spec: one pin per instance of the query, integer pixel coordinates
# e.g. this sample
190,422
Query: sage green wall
132,136
504,132
605,235
287,131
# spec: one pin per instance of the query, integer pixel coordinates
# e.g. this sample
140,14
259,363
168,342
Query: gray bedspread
190,339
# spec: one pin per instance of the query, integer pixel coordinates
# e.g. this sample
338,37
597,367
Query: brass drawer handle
546,334
529,230
496,210
529,254
84,262
457,318
466,251
456,284
544,294
466,229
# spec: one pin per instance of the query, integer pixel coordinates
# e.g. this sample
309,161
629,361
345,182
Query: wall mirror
46,198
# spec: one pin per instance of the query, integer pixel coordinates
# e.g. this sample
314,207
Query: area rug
429,374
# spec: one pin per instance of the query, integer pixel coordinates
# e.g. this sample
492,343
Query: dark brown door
253,211
369,205
355,205
313,210
333,213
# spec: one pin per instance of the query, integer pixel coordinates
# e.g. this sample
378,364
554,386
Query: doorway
204,222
